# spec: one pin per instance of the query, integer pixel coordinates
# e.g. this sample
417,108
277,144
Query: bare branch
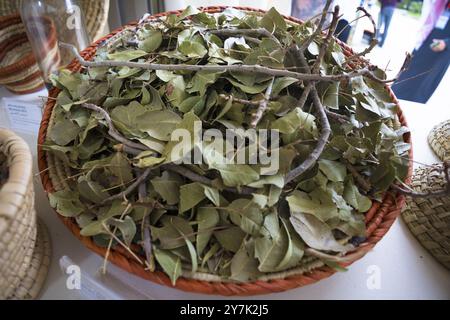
318,30
191,175
322,141
243,101
230,32
112,131
429,194
327,41
368,15
219,68
262,105
356,56
130,188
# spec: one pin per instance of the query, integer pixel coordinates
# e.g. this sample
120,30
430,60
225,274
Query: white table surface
407,271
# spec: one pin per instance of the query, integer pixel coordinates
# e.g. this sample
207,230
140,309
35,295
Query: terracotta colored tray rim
378,219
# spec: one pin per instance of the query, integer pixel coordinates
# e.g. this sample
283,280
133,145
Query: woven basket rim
20,174
378,220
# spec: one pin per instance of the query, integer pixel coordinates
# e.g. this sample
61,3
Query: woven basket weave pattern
19,71
20,275
429,218
439,140
95,13
378,220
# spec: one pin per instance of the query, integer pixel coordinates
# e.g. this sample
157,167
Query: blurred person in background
384,18
431,58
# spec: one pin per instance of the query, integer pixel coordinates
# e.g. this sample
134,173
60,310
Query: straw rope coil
95,13
378,219
24,247
439,140
429,218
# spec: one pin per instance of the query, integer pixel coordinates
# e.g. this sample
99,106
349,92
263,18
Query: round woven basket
378,219
429,219
19,71
439,140
24,246
95,13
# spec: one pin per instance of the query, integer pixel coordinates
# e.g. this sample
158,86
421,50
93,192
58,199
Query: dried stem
327,41
323,138
191,175
262,106
243,101
220,68
318,30
362,182
112,131
245,32
356,56
429,194
131,187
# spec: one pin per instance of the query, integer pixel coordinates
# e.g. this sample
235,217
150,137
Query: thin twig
108,249
327,41
259,32
323,138
356,56
262,105
429,194
238,100
131,188
318,30
338,117
121,243
220,68
191,175
362,182
112,131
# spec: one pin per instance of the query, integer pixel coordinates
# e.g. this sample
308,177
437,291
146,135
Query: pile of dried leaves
341,143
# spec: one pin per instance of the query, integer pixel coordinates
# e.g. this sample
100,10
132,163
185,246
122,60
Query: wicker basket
439,140
95,13
24,246
19,71
378,220
429,219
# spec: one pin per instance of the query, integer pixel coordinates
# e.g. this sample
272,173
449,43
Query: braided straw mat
429,219
24,243
378,219
95,13
439,140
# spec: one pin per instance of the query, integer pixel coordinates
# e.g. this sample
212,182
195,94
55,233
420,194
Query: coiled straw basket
24,242
378,220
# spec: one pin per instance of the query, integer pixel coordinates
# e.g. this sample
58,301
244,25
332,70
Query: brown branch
193,176
130,188
318,30
220,68
230,32
327,41
323,138
243,101
262,105
359,179
338,117
429,194
305,94
112,131
356,56
368,15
